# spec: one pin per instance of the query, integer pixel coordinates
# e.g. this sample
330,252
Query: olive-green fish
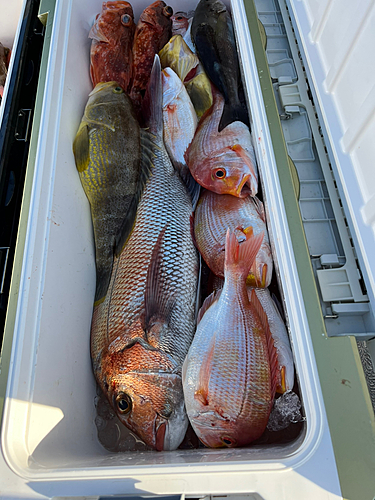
109,149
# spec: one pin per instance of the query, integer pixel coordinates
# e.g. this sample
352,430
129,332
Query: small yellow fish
177,55
108,153
199,90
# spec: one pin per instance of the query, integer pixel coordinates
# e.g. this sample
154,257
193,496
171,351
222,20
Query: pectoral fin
81,147
159,304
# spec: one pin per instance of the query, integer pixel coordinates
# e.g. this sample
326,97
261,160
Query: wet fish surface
230,373
112,36
278,331
153,31
179,122
181,21
108,155
142,331
214,215
213,36
177,55
223,162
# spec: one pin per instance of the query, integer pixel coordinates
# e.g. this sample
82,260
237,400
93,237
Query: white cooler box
49,445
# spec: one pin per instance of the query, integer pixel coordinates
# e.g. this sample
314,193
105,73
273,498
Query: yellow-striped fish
108,149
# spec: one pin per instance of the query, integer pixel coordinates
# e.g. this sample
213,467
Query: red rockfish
153,31
111,48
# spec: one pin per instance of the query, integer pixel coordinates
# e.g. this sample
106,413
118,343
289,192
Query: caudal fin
232,114
239,258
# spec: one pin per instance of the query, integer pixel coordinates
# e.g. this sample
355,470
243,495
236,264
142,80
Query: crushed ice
286,410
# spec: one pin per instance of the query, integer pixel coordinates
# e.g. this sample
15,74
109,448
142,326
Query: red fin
273,359
241,257
264,275
281,388
191,74
204,375
208,301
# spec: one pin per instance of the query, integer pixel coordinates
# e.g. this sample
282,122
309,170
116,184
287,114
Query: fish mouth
160,436
244,188
169,433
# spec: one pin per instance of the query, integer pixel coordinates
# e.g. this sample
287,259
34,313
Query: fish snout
169,433
247,187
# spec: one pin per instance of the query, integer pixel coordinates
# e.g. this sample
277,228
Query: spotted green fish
109,149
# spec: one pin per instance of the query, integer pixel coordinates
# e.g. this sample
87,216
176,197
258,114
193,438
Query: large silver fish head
152,406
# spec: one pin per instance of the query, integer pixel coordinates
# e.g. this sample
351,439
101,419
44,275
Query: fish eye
220,173
123,403
125,19
228,441
118,90
168,11
179,18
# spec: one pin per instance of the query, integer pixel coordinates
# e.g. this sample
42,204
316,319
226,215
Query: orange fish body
111,47
153,31
214,214
230,373
223,162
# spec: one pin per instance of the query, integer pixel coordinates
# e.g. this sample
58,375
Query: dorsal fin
152,105
208,301
272,353
240,258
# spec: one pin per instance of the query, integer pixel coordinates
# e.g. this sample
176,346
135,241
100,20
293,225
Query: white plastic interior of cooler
48,429
336,40
345,305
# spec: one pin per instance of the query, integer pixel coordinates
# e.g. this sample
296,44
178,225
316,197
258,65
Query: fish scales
214,214
278,331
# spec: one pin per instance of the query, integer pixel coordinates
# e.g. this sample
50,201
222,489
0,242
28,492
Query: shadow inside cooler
62,410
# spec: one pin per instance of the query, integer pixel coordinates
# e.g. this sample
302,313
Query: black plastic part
15,141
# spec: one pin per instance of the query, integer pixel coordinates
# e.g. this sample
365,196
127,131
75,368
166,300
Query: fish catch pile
165,156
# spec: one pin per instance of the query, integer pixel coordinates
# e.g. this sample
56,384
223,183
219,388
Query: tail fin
276,381
233,114
152,105
239,258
